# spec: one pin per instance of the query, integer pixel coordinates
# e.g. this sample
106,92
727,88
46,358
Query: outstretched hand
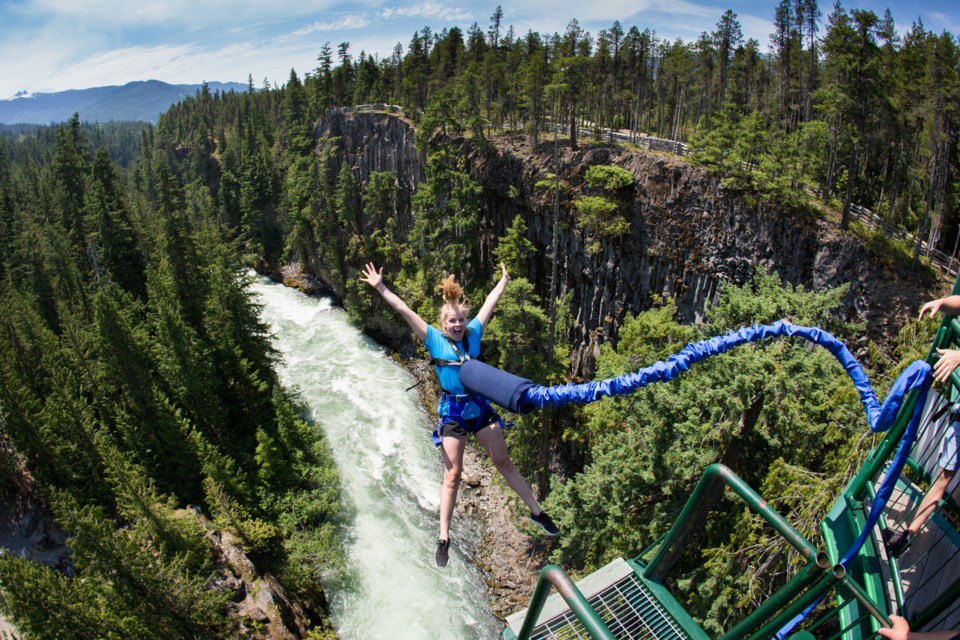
503,270
942,368
372,276
931,308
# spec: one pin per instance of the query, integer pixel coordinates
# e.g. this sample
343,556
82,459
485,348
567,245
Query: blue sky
54,45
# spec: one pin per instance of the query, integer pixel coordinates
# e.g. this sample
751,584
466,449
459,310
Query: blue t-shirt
439,347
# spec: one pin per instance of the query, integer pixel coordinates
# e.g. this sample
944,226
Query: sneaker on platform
896,541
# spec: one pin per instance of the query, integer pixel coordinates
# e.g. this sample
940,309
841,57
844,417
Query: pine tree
446,208
181,356
297,125
70,167
380,211
48,604
128,403
114,248
149,594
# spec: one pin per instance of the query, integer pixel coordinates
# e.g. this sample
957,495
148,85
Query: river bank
508,550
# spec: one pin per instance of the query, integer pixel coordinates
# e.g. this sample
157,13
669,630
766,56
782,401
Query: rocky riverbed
510,551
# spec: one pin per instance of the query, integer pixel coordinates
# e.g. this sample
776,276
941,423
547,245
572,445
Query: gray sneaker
443,552
543,521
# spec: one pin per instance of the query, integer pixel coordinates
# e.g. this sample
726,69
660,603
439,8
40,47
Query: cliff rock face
687,235
376,142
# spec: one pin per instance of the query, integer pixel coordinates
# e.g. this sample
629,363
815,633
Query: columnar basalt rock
376,142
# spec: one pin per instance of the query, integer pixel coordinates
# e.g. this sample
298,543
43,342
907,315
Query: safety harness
461,408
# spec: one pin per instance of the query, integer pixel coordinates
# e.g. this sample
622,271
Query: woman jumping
461,413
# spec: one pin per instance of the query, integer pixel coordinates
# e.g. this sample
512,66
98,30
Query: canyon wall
687,234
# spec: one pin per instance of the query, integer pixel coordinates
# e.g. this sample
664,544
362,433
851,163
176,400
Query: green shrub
608,177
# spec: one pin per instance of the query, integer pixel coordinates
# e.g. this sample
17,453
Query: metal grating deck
628,609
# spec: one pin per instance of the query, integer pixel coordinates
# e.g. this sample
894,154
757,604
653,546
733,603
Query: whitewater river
391,473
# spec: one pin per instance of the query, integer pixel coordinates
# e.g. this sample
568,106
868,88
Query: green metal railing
553,576
813,573
721,473
811,581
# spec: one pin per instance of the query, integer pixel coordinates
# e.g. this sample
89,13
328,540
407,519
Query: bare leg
930,500
451,453
491,438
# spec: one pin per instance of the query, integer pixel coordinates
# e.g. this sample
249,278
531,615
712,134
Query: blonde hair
453,299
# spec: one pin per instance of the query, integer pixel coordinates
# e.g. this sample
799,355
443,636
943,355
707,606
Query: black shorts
463,428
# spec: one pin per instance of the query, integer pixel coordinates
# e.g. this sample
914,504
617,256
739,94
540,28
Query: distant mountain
144,100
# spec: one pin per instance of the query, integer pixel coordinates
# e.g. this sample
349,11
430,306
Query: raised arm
493,298
949,305
374,278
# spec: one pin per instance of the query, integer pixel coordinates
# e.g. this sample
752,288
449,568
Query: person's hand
932,307
371,276
942,368
899,631
503,271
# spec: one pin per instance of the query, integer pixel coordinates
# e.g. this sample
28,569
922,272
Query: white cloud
757,28
30,59
343,23
427,10
177,64
120,66
947,22
111,14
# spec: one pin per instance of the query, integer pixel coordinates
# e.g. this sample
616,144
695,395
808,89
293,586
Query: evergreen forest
139,381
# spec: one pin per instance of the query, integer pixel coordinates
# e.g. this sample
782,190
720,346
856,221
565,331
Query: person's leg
930,499
948,461
491,437
949,452
451,453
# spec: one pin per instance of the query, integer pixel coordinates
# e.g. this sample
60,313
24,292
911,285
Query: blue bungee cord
521,396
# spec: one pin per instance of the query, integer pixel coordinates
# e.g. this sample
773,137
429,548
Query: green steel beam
826,582
804,578
861,595
721,473
552,575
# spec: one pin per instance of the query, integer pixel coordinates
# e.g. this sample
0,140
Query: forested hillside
137,378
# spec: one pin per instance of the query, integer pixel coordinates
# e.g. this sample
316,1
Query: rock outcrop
260,606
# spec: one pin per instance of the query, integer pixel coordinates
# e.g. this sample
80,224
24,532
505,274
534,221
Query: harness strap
439,362
461,356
